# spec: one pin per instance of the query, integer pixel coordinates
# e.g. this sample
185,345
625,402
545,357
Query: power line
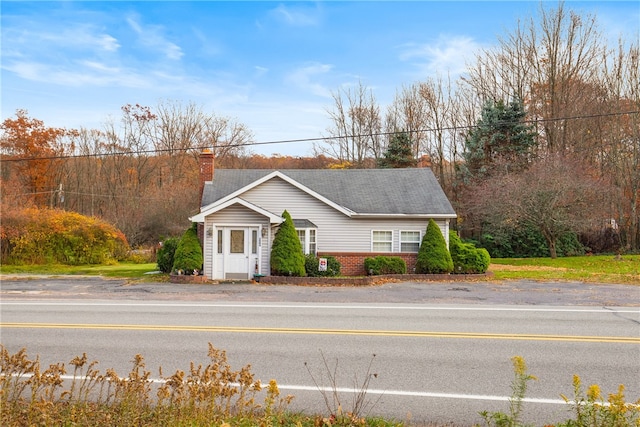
318,139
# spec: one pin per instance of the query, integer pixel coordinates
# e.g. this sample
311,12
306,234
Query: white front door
236,253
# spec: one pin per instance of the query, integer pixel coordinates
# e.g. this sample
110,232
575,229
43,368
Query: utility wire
327,138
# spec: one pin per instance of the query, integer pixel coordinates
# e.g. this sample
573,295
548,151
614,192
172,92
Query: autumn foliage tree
30,152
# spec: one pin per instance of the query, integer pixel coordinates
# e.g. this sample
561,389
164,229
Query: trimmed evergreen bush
433,256
188,254
165,254
287,258
467,259
312,264
385,265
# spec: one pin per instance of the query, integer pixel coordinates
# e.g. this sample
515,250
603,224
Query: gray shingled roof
364,191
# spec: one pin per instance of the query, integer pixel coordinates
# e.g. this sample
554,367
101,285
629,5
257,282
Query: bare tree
437,96
547,64
354,136
620,137
408,113
181,132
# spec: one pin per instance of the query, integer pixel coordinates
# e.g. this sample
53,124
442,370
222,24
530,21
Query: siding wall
337,233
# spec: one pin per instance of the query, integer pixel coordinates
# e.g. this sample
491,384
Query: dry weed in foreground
339,415
208,395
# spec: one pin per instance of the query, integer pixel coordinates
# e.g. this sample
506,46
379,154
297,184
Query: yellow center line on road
363,332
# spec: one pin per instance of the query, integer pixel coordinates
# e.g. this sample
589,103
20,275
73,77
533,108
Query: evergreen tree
166,254
399,153
287,258
433,255
501,142
188,255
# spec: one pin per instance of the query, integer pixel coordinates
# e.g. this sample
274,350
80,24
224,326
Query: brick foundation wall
352,263
370,280
187,278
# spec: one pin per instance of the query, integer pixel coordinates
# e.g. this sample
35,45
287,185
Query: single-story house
350,214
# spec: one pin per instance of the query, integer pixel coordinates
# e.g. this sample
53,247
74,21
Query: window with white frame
312,241
409,241
382,241
254,241
307,238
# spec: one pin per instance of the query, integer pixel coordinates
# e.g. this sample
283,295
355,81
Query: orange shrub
41,236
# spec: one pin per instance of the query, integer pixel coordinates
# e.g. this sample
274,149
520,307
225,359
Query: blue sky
269,65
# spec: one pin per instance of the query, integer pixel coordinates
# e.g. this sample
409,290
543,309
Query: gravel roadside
517,292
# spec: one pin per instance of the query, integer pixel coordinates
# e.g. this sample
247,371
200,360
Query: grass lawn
594,269
125,270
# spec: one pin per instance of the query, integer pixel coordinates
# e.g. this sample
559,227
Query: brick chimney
206,168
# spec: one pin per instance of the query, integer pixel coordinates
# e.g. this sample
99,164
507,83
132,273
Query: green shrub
287,258
188,254
312,263
526,242
385,265
433,256
166,252
467,259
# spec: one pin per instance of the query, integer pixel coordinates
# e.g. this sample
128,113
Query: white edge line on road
332,307
378,392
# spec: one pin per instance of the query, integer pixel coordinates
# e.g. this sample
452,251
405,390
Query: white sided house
350,214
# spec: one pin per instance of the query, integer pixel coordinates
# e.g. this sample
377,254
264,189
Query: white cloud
108,43
151,36
49,40
80,73
260,71
26,70
297,16
446,54
303,78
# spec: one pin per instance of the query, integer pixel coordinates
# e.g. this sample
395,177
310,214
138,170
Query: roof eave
215,207
409,216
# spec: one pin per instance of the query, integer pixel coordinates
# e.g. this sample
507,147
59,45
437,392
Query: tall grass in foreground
590,411
216,395
212,395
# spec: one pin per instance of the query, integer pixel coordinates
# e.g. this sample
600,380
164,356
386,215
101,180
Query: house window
382,241
307,238
312,241
254,241
409,241
219,241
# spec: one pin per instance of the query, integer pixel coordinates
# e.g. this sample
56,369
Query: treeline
537,145
146,189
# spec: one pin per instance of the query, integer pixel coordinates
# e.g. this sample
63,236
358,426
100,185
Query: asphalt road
442,349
